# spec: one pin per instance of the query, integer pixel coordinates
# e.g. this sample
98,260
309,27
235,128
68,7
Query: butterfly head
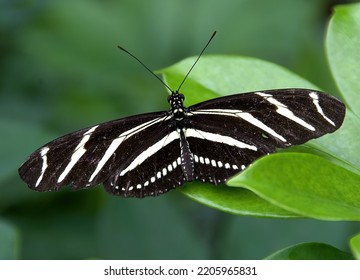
176,100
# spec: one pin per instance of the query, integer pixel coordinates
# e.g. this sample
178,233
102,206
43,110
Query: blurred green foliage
61,71
310,251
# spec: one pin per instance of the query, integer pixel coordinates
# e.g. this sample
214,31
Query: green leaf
355,246
342,45
216,75
235,201
310,251
305,184
343,145
9,240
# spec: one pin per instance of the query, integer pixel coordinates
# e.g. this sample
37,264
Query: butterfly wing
229,133
116,153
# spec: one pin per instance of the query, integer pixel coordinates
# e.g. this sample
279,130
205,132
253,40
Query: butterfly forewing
273,117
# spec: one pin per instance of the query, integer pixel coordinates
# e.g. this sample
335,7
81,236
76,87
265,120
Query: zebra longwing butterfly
150,154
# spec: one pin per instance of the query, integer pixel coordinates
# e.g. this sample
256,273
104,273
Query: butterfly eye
175,98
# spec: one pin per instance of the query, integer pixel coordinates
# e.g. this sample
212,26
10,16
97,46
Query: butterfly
150,154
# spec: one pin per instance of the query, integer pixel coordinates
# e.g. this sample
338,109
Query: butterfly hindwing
215,162
159,172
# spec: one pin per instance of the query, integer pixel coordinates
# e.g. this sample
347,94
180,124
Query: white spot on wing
43,153
170,168
160,174
78,153
202,160
196,158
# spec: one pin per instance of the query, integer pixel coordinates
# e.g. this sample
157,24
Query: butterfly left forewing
229,133
286,116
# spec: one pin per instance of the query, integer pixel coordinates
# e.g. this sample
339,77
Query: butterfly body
150,154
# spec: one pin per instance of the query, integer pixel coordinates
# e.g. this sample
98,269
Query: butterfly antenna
147,68
212,36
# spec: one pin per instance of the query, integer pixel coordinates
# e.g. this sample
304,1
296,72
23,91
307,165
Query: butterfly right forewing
90,156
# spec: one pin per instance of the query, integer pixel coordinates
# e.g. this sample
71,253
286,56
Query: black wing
229,133
132,157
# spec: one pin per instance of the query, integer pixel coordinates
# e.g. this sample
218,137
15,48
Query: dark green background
61,71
